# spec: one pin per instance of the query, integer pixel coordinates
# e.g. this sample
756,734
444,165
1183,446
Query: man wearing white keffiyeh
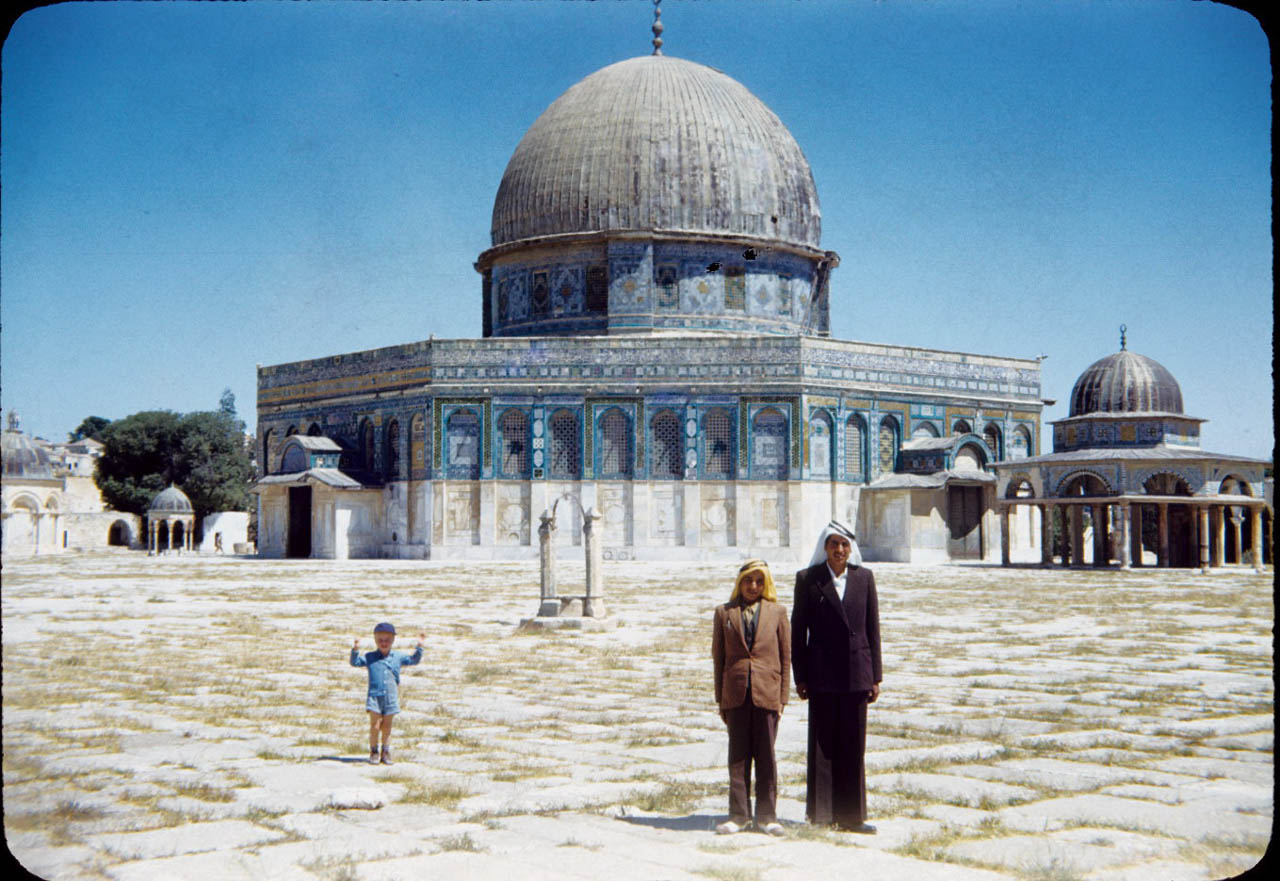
835,655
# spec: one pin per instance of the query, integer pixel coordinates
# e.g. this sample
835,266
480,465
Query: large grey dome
1125,382
658,144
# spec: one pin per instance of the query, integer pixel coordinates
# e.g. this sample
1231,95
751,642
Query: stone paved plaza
196,718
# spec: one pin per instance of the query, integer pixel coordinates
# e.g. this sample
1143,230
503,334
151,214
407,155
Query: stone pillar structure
1126,548
1218,544
1004,535
1046,534
1162,552
1135,535
1101,538
550,603
1077,534
1202,516
1255,519
593,603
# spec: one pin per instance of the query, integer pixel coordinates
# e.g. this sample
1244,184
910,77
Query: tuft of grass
205,792
460,842
730,873
445,795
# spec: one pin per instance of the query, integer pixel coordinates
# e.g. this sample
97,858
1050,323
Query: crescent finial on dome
657,27
1122,330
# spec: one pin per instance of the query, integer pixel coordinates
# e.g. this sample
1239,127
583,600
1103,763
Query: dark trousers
837,781
752,732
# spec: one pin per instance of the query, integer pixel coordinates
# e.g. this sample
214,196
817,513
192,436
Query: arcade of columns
179,527
1123,515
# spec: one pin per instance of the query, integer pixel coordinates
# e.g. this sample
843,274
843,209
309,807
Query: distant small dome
171,501
25,457
1125,382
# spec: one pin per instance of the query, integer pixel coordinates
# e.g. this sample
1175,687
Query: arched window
417,446
888,447
1020,443
292,430
513,458
769,445
961,427
855,431
666,461
268,450
991,434
615,445
820,434
718,459
391,459
924,429
565,459
462,445
366,445
314,430
294,459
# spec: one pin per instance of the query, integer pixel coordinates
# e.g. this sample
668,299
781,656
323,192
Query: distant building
50,502
1127,482
655,344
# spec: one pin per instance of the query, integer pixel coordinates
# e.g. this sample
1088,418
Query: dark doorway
119,534
964,519
299,540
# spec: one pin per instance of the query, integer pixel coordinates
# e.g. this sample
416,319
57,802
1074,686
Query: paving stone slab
184,839
953,789
1191,822
946,753
1069,776
1255,773
1069,852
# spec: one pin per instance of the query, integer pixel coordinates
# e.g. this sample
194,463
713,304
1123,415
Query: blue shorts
383,704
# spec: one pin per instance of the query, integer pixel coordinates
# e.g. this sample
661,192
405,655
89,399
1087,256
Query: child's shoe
373,756
386,756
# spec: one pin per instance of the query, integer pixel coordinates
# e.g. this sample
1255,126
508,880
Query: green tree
203,453
91,427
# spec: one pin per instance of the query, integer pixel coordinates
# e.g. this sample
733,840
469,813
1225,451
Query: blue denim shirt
384,670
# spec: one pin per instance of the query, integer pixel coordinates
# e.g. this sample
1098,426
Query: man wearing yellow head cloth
835,643
751,649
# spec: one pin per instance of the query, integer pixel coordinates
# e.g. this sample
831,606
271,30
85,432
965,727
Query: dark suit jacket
766,666
835,646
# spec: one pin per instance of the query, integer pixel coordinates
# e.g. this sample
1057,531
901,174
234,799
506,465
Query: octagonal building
655,344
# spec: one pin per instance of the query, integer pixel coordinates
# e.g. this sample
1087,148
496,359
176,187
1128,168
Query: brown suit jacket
766,667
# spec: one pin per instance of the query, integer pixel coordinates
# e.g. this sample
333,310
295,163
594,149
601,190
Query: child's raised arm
357,659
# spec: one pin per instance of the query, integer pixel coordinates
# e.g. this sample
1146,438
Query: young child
751,651
384,685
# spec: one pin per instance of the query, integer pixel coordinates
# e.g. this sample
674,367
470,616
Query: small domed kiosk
1127,482
170,521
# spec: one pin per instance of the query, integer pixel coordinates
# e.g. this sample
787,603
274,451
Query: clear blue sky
193,188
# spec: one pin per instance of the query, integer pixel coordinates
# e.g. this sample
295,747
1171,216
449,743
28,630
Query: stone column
1135,535
1255,518
1101,538
1004,534
550,603
1046,534
1162,526
1237,516
1122,526
1218,535
593,603
1202,517
1077,534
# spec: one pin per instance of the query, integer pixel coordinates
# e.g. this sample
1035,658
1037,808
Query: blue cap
384,627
